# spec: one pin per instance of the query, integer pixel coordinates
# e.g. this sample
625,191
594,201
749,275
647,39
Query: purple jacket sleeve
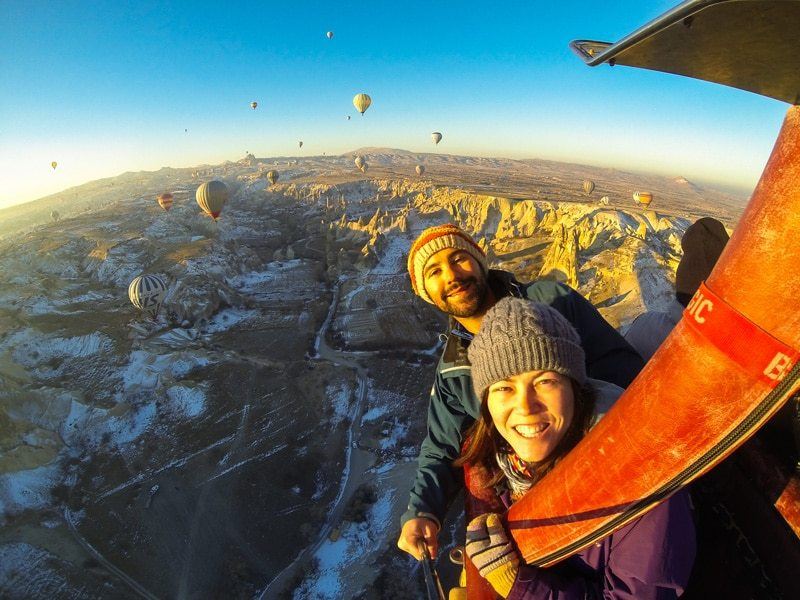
651,558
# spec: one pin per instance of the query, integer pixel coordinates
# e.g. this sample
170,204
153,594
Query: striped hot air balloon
211,196
360,162
272,176
588,186
362,102
420,169
165,200
147,292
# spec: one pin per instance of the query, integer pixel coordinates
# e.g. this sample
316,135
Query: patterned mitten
491,552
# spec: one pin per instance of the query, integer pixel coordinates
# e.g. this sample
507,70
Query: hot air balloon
330,35
363,168
165,200
54,214
588,186
362,102
211,196
420,169
254,105
436,137
643,198
147,292
272,176
300,143
54,164
360,162
348,117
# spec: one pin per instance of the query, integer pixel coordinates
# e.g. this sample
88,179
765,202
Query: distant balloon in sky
211,196
330,35
300,143
436,137
254,105
360,162
54,164
420,169
362,102
186,131
272,176
348,117
146,292
54,214
165,200
643,198
588,186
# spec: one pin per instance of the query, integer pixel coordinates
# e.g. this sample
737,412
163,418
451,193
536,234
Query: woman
528,369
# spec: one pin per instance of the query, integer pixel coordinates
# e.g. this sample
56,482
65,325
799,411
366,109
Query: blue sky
107,87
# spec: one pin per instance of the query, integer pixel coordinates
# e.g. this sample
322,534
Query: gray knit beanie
519,335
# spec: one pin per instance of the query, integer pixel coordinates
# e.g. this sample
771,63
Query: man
449,270
702,244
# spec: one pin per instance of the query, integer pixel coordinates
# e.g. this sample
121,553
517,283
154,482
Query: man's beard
467,305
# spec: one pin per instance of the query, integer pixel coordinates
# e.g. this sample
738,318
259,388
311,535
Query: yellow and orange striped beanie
431,241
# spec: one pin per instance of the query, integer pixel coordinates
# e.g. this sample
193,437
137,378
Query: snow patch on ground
256,278
227,318
338,561
339,394
30,572
42,306
145,369
384,400
385,468
189,402
24,490
47,306
39,348
393,259
142,370
396,435
117,426
178,338
374,414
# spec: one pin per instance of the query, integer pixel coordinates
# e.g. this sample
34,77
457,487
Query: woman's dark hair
483,441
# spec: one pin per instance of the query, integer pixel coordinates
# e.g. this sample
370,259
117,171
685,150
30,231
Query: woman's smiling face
532,411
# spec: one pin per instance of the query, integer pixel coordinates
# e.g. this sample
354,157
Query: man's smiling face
455,282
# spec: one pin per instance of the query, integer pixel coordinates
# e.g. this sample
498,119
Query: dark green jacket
454,407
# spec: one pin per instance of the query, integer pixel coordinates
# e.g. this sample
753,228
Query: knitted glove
491,552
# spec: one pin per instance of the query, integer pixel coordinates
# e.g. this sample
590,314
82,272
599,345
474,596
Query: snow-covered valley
257,438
